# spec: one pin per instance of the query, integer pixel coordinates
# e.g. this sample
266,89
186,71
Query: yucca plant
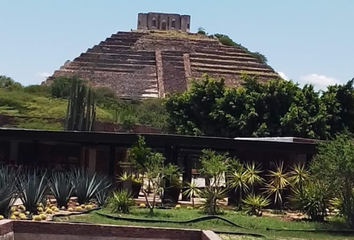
103,189
121,201
213,198
85,185
278,183
252,174
32,185
62,188
8,190
192,191
298,175
255,204
238,181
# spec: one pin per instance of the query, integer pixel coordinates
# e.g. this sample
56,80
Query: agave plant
61,186
255,203
121,201
85,185
8,191
192,191
103,189
32,186
278,183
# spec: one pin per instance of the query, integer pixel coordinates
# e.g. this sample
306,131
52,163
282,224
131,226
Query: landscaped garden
286,201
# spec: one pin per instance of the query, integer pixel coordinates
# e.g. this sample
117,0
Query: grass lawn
253,224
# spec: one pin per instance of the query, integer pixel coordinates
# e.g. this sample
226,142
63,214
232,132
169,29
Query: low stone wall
26,230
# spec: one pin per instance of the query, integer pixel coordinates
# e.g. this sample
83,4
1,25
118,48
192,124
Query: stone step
91,66
223,53
119,61
121,55
227,71
103,69
230,67
227,62
222,57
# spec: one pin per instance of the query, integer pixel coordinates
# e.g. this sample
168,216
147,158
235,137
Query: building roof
156,140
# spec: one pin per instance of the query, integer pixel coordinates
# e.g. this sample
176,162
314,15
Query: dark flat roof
156,140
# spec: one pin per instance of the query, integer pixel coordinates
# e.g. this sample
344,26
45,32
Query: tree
8,83
214,166
275,108
334,166
61,86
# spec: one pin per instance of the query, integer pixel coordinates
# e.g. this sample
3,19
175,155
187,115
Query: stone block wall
27,230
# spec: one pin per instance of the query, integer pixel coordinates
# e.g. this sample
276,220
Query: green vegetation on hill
39,101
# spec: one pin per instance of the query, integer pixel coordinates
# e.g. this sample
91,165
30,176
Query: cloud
319,81
42,74
283,76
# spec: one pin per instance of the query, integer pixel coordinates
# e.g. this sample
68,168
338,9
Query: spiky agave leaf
238,180
61,186
8,190
103,189
33,186
85,185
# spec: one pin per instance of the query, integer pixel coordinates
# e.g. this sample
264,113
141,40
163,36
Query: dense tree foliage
275,108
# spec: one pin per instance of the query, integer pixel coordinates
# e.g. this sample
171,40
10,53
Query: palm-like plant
298,175
213,197
255,203
8,193
192,191
32,186
239,181
61,186
278,183
252,173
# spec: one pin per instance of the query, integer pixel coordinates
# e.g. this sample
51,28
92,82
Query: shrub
121,201
312,200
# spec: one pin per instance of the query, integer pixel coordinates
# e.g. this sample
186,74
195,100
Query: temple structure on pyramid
161,57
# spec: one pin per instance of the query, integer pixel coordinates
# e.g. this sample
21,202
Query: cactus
81,110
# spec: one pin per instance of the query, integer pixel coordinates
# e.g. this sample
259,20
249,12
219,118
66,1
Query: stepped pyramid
150,63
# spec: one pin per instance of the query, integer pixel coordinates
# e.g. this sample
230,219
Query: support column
112,160
92,161
36,152
14,152
187,174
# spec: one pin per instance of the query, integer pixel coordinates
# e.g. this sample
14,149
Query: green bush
312,200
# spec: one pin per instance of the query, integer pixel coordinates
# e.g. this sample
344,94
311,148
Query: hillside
42,111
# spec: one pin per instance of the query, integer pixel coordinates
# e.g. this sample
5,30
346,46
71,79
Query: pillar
92,160
187,174
112,160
